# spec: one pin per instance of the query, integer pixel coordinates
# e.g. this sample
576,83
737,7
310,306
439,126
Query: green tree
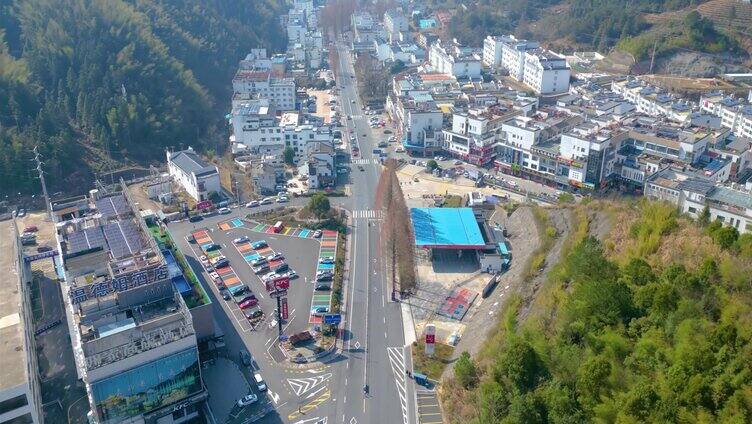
704,217
397,67
465,371
432,164
522,365
289,155
726,236
319,205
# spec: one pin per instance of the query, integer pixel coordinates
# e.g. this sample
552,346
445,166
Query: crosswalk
368,214
365,161
397,360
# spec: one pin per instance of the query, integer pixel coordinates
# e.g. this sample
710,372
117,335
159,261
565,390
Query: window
13,403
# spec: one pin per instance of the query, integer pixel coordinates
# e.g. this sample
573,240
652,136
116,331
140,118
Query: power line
44,184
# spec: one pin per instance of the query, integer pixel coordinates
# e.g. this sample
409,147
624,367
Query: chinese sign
119,284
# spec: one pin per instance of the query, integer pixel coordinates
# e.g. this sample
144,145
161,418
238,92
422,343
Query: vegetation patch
434,366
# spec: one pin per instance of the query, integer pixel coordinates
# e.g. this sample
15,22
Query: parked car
210,247
248,303
260,269
317,234
245,358
195,218
326,277
322,286
221,263
241,239
291,274
224,211
260,383
281,267
269,276
282,199
252,204
326,260
42,249
319,310
275,256
258,261
21,212
252,313
266,201
259,244
31,229
247,400
225,294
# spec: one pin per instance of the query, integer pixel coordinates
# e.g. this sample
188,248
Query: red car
31,229
248,303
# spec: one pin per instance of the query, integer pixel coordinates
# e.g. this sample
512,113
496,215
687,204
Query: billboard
430,339
283,308
119,284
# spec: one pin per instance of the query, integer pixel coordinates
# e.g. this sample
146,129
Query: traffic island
308,347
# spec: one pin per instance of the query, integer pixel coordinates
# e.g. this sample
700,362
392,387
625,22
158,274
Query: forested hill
94,82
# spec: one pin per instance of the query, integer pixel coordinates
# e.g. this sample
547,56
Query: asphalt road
373,323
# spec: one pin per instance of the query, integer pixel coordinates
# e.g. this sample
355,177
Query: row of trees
98,80
397,233
624,340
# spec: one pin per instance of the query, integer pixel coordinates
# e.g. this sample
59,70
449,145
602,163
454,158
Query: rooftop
731,197
191,163
453,228
12,346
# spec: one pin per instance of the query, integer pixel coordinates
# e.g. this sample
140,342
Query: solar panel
112,206
124,238
85,239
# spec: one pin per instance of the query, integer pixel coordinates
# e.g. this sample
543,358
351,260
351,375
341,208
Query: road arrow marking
274,396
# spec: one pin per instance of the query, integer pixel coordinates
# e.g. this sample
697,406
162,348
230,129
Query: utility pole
44,184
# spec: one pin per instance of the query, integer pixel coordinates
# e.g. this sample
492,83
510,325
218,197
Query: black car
323,286
42,249
221,263
226,295
281,268
195,218
324,277
252,313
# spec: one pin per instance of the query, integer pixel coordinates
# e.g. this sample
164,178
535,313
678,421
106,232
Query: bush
465,371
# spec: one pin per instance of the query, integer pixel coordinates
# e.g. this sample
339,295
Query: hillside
648,323
715,31
98,83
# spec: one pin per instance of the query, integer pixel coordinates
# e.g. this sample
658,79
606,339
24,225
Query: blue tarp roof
453,228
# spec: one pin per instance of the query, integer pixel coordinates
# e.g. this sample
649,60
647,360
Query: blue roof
446,228
182,285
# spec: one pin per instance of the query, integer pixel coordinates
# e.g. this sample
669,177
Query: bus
278,226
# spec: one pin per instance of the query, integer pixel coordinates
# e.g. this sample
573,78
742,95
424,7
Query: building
454,60
266,85
20,396
257,131
419,121
197,177
513,54
473,135
394,23
546,72
735,113
589,154
256,60
363,27
493,47
692,194
133,337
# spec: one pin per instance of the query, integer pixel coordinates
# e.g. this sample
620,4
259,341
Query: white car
252,204
275,256
242,239
270,276
224,211
247,400
282,199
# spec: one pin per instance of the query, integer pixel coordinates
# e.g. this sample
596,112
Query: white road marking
315,392
274,396
303,385
397,360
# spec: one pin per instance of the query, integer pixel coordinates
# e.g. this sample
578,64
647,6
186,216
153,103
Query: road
374,337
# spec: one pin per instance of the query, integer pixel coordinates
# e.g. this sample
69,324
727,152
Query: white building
513,54
195,175
454,60
266,85
735,114
493,47
20,396
394,23
419,121
473,135
256,60
546,72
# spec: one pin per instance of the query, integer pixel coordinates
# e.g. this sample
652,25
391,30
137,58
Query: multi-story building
363,27
546,72
258,131
454,60
513,54
394,23
735,114
419,121
20,396
473,135
492,51
266,85
133,338
589,154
